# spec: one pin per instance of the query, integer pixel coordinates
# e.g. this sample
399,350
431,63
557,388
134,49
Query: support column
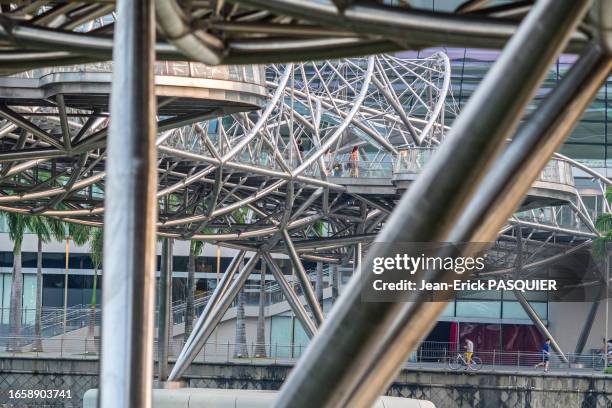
191,350
539,324
334,283
260,343
319,284
357,254
294,302
309,294
222,286
164,328
588,324
126,370
607,308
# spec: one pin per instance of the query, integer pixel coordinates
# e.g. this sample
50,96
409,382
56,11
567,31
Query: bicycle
600,362
460,361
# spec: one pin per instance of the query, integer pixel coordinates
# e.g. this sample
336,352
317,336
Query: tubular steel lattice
261,161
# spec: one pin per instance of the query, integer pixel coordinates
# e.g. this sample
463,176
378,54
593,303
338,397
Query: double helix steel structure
139,117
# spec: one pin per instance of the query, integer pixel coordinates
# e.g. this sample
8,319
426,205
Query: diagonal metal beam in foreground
126,369
369,341
504,187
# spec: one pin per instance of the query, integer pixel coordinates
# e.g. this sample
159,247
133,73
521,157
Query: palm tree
79,234
17,225
40,227
260,343
240,347
604,226
96,247
195,249
241,216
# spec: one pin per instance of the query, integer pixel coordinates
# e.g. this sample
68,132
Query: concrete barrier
222,398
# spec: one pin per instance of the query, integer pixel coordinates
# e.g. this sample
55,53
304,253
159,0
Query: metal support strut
126,370
165,308
216,314
309,294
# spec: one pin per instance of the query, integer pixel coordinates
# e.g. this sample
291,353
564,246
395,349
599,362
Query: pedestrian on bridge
545,356
354,162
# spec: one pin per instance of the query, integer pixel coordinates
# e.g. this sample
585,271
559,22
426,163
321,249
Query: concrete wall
566,320
445,389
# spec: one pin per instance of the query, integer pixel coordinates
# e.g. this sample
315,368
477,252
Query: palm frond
239,215
599,246
17,225
57,228
96,246
79,233
40,227
197,247
608,195
604,223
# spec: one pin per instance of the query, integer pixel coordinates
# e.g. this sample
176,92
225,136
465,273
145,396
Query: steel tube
164,308
539,324
357,255
215,317
414,26
588,323
294,302
371,340
126,369
222,286
198,45
309,295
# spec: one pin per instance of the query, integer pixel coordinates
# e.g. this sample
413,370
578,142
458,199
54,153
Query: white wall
566,321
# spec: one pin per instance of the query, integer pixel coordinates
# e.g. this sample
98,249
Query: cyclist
469,351
608,348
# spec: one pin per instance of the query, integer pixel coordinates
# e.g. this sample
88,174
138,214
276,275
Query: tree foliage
96,246
603,224
17,226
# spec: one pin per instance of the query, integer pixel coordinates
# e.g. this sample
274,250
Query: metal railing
52,319
379,168
414,159
430,355
243,73
78,316
557,171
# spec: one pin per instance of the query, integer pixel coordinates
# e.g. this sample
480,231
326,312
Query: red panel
486,338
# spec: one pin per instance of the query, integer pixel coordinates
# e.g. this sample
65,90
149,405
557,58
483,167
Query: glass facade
28,298
591,140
